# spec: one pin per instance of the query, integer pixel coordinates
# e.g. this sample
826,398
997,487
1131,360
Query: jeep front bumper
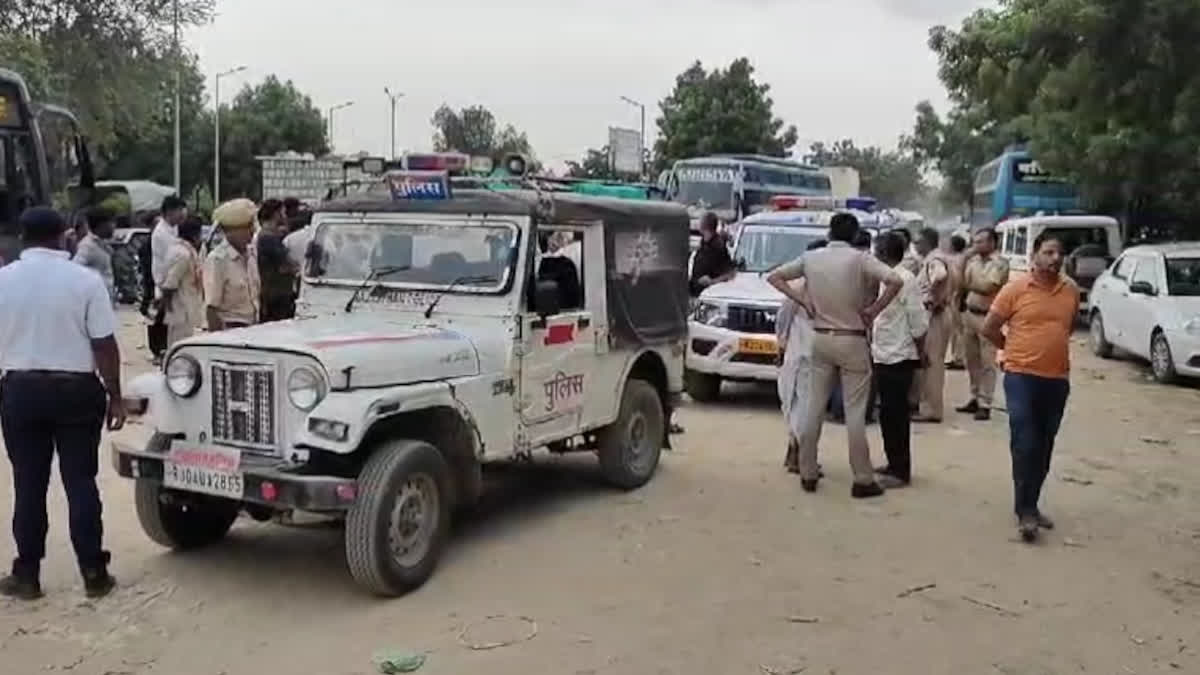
267,481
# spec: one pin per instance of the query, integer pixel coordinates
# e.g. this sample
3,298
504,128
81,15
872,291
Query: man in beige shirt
936,281
985,274
182,288
231,285
840,284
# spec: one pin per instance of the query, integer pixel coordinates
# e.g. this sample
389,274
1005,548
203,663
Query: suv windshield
1095,238
1183,276
433,255
764,248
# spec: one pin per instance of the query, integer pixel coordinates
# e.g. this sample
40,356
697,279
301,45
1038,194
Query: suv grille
751,319
243,406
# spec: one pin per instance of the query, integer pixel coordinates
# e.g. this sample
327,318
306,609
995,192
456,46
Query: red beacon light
451,162
801,203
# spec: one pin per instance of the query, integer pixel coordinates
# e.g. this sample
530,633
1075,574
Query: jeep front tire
187,523
629,448
398,526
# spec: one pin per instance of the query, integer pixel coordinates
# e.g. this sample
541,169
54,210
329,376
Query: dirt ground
721,565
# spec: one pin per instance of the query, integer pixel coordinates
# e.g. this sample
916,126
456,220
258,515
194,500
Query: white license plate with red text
211,471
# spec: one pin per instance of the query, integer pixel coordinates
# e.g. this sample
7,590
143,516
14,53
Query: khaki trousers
981,360
177,332
847,357
933,379
957,344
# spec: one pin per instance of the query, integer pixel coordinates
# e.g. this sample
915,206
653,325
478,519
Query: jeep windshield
765,247
428,256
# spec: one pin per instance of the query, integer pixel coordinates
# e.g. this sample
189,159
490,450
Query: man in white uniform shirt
897,349
165,233
56,332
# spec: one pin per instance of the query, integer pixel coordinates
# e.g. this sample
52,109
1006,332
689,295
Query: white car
731,335
1148,304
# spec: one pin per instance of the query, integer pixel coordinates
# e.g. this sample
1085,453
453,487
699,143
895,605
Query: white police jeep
434,339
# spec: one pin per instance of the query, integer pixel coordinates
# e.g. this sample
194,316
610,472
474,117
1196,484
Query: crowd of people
60,360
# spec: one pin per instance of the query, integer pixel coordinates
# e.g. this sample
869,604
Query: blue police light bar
419,185
861,203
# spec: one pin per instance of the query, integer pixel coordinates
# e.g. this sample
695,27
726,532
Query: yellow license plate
753,346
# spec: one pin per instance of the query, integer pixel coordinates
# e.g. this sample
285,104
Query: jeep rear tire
630,447
398,526
186,524
702,387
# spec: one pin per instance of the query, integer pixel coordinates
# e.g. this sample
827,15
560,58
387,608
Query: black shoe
983,415
972,406
1027,526
1044,521
675,429
866,491
809,484
98,583
13,586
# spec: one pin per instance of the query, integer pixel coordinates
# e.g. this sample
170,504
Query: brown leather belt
841,332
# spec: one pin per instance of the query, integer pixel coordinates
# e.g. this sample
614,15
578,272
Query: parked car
1148,304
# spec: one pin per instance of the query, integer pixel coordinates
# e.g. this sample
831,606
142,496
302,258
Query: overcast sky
556,69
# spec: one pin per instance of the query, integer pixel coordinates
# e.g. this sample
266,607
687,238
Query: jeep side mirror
1142,288
545,298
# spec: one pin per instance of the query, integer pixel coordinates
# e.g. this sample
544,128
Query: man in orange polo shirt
1039,312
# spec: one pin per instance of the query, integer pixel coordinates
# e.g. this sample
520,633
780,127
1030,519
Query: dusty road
721,565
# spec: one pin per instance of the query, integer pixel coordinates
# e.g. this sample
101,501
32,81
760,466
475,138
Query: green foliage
719,111
892,177
1106,92
264,119
473,131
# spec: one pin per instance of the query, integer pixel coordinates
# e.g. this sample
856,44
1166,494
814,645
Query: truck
434,339
44,160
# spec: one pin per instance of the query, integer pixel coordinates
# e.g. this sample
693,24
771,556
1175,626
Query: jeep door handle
583,322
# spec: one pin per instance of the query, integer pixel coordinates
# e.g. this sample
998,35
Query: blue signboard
428,185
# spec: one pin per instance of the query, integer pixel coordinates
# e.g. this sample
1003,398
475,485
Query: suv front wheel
398,526
629,448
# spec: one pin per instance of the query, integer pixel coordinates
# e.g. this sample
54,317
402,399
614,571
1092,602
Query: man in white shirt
165,233
56,332
897,349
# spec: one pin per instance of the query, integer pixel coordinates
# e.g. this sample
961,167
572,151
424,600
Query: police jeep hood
749,288
378,351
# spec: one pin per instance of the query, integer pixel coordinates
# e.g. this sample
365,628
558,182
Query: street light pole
217,132
178,59
393,98
332,110
642,159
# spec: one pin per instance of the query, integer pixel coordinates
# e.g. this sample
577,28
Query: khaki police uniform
982,279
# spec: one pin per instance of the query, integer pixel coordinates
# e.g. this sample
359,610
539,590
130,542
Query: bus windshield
765,247
707,185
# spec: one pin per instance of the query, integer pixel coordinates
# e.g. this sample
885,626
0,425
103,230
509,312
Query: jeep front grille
243,406
751,319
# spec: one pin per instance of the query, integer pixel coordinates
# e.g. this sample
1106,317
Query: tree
1105,93
892,177
473,131
265,119
722,111
105,59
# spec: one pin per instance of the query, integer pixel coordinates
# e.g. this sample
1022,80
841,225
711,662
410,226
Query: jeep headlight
183,375
1192,326
305,388
711,313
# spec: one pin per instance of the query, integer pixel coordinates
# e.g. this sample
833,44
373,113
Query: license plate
754,346
211,471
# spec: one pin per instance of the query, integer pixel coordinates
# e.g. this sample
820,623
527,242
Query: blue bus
735,186
1015,185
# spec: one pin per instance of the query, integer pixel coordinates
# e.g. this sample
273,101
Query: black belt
842,332
976,311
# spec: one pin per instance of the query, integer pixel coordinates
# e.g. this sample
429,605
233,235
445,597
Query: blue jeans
1035,410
